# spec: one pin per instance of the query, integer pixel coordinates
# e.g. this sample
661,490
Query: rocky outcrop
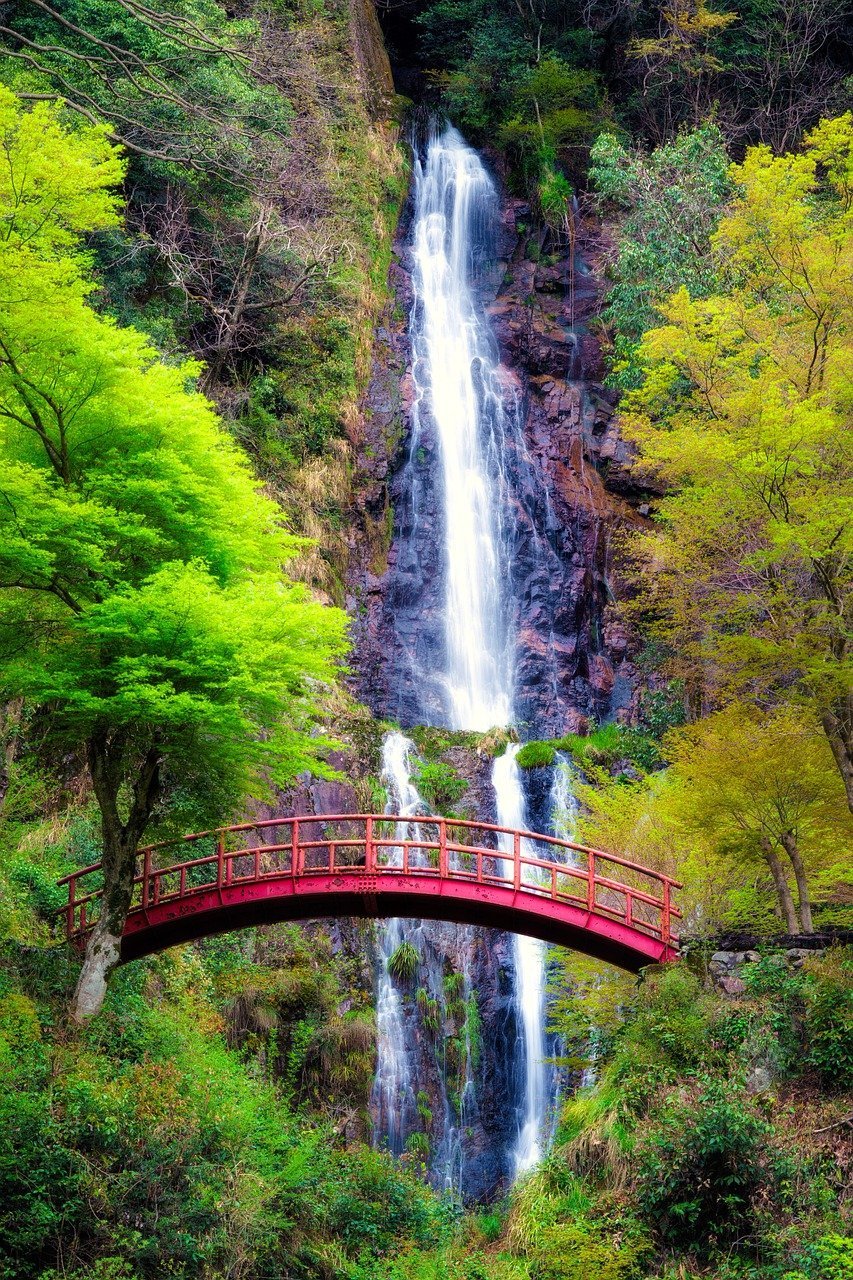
371,59
573,489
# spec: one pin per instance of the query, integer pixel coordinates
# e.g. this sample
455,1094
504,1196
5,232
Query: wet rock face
469,1128
569,477
571,491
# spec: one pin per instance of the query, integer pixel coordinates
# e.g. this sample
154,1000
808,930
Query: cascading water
464,412
393,1096
459,394
457,375
563,802
530,982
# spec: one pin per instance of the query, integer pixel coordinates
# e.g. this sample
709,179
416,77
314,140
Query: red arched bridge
388,865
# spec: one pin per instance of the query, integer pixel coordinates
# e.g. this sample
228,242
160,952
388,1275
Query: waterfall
529,955
458,388
563,811
563,803
393,1095
465,416
457,375
403,797
394,1101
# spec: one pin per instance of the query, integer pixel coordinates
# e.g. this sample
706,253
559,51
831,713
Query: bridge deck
385,865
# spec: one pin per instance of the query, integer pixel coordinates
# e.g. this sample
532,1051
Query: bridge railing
383,845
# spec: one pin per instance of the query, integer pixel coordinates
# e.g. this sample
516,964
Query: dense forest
202,207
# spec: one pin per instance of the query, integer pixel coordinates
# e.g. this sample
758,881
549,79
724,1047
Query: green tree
744,414
174,82
143,612
781,71
681,63
749,799
765,788
669,202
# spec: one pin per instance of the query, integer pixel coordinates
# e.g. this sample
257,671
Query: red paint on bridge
383,865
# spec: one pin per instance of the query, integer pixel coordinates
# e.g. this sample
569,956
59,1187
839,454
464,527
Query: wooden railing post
369,847
294,847
72,894
516,860
146,877
590,880
220,859
442,849
665,914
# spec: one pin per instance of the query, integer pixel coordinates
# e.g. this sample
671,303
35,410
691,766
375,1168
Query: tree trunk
103,954
229,322
107,763
789,844
838,727
783,891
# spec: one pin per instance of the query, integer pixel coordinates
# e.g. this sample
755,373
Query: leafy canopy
744,416
177,84
141,591
736,781
669,201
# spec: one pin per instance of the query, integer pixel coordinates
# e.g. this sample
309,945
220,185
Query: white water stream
563,802
464,402
456,373
393,1095
530,979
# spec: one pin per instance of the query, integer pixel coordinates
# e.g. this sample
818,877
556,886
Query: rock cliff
572,477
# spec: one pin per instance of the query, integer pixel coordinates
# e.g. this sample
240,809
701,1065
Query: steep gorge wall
574,493
574,498
572,480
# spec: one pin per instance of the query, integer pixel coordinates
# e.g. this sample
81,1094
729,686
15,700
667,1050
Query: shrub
490,1224
829,1018
701,1164
666,1034
417,1145
767,1026
403,962
579,1250
440,785
373,1204
535,755
830,1258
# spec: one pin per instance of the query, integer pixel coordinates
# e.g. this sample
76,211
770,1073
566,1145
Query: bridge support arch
380,865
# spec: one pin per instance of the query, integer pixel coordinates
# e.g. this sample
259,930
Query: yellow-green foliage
744,415
736,779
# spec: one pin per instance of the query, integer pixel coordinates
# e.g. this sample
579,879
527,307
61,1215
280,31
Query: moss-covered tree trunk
838,727
791,847
783,889
107,762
